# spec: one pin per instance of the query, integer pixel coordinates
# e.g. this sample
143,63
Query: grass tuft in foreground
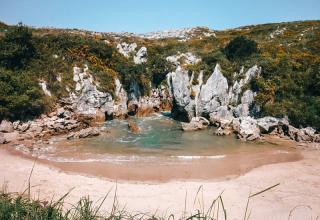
16,206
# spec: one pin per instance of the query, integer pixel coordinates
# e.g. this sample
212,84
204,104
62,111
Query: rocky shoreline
198,106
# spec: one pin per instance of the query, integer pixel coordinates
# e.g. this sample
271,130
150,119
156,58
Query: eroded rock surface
196,123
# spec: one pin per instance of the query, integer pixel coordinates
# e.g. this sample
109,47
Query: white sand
299,186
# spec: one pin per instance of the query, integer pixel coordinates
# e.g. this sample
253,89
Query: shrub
16,48
20,96
240,48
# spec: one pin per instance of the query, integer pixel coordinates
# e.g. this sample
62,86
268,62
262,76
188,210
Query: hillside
37,65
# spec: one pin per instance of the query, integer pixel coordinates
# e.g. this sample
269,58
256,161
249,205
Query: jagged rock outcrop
214,93
236,89
203,99
243,108
140,56
186,58
130,49
219,103
183,107
90,99
125,49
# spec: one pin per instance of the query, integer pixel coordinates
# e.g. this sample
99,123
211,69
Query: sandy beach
299,188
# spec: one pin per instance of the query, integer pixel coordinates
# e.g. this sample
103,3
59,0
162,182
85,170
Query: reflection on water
160,137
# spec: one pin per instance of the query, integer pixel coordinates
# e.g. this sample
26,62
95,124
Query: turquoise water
160,137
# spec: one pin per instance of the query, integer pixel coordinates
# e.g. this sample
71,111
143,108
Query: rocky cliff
194,73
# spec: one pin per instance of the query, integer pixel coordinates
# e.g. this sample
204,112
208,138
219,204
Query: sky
141,16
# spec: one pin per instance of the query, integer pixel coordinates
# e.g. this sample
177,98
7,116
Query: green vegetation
20,96
16,49
289,54
240,48
14,206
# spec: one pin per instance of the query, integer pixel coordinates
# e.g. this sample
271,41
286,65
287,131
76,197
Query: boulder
3,140
301,135
248,129
267,124
196,123
15,124
133,127
10,137
60,112
6,126
85,133
24,126
223,131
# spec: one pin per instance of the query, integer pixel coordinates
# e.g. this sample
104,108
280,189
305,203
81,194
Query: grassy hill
289,54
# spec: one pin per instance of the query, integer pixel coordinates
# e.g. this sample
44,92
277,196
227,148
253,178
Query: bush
240,48
20,96
16,48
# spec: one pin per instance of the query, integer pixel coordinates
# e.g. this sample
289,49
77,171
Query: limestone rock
236,89
85,133
6,126
183,58
61,112
223,131
196,123
140,56
222,117
242,110
214,93
183,105
125,49
248,129
3,140
267,124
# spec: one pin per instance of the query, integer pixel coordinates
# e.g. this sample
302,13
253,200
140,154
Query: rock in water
133,127
85,133
196,123
6,126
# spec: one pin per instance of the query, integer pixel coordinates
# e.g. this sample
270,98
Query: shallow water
161,152
160,137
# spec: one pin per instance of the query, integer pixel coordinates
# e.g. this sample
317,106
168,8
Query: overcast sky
150,15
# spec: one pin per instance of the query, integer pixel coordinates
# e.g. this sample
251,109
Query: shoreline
299,185
163,170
